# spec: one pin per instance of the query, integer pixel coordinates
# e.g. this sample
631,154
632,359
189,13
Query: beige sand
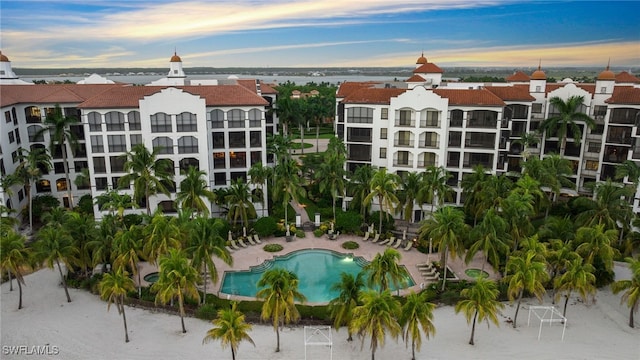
83,329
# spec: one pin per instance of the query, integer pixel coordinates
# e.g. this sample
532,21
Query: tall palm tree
32,165
53,246
472,186
446,228
359,188
434,186
113,288
102,244
6,183
416,318
192,189
147,172
525,273
578,277
376,318
14,256
630,287
258,176
480,303
331,176
595,245
384,268
383,187
529,188
205,241
341,307
127,251
628,169
279,289
239,201
491,239
279,145
410,189
558,228
567,118
161,235
230,328
177,278
517,210
608,207
288,185
556,172
83,230
115,203
58,125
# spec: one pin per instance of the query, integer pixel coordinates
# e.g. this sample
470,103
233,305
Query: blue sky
315,33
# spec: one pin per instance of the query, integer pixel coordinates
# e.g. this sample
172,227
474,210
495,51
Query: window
163,144
237,159
218,140
384,113
255,138
135,139
217,119
219,160
186,163
77,131
187,122
430,118
599,111
95,121
236,118
383,153
61,184
117,143
20,195
101,183
237,139
58,168
594,147
160,122
536,108
220,179
187,145
404,118
456,118
117,163
591,165
114,121
255,118
43,185
383,133
134,120
15,157
239,175
33,115
80,165
17,131
7,117
360,115
256,157
538,88
603,90
99,166
12,138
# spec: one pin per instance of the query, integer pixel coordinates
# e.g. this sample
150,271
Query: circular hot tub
476,273
151,277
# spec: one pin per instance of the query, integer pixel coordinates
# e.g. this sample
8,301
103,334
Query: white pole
564,328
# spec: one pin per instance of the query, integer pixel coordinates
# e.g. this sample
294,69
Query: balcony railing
479,144
403,143
429,124
405,123
426,163
430,144
401,163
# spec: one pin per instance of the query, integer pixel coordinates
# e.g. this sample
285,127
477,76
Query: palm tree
630,170
161,235
435,187
567,117
59,128
556,172
411,187
113,288
416,318
594,244
288,185
480,304
31,167
529,188
491,237
558,228
259,175
115,203
630,287
609,206
341,307
279,289
331,178
230,328
472,186
525,273
376,318
384,268
14,256
205,241
517,210
102,244
177,279
147,172
447,228
359,188
83,230
578,277
239,202
127,251
383,186
192,189
53,246
527,140
279,146
6,182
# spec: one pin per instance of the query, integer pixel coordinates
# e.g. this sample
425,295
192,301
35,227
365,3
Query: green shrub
265,226
207,312
273,247
313,312
348,222
300,234
387,221
350,245
318,232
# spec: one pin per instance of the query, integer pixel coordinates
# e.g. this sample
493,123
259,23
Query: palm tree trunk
302,138
380,202
277,338
64,281
333,204
515,317
30,208
473,328
139,285
184,330
566,301
631,316
66,173
20,291
124,319
233,353
317,137
444,266
413,350
204,295
10,280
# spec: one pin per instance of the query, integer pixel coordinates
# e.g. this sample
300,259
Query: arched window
114,121
33,115
236,118
33,130
167,206
217,119
187,122
61,184
160,122
43,185
134,120
95,121
187,145
164,144
186,163
255,117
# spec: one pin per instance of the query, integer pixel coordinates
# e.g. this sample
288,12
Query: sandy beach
83,329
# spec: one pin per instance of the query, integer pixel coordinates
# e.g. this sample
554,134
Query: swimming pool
317,270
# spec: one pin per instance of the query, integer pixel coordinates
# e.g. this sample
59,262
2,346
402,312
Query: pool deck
254,255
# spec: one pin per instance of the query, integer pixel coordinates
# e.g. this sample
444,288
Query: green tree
58,125
239,201
410,188
115,203
83,231
608,207
416,319
472,186
578,277
113,288
491,239
148,174
258,176
385,267
331,176
53,246
230,328
127,251
631,288
517,210
567,116
594,244
376,318
447,228
206,241
160,236
383,187
434,186
15,256
32,165
288,185
358,187
525,273
177,278
480,303
279,289
341,308
193,188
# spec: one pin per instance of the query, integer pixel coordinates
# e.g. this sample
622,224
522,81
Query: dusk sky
345,33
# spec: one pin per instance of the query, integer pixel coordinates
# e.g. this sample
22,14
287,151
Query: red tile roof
373,95
511,93
590,88
625,77
349,87
429,68
415,78
51,93
625,95
518,76
472,97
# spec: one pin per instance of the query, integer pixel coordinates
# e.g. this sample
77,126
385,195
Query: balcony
479,144
405,123
403,143
430,144
402,163
429,123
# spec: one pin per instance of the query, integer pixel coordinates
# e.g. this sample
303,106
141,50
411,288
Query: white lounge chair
366,237
385,241
397,245
256,238
229,248
250,240
376,238
234,245
242,243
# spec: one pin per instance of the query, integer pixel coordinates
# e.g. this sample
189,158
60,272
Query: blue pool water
317,270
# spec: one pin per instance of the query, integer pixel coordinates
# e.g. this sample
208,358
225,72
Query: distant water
269,79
